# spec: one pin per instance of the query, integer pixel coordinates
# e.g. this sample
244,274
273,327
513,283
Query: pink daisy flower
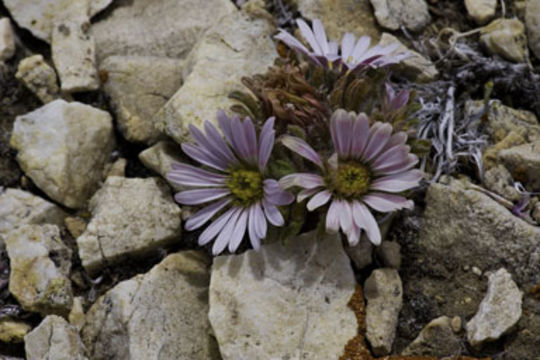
236,182
369,167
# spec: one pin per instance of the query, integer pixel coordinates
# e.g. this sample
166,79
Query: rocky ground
94,264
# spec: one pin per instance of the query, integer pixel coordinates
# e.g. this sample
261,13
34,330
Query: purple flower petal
395,155
184,174
256,218
347,46
398,182
208,147
304,180
272,214
240,138
227,233
260,220
399,138
365,220
275,195
332,217
309,36
219,144
300,147
304,194
361,46
387,202
215,227
320,36
319,200
345,216
360,135
266,142
200,196
353,236
199,155
202,216
379,137
291,41
251,137
341,132
239,231
411,161
400,100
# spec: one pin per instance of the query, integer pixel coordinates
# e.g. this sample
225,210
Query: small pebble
456,324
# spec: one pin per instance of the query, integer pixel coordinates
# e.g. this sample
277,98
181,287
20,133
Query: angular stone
167,28
499,180
390,254
524,162
18,208
481,10
130,217
63,148
416,67
238,45
160,158
158,315
341,16
436,339
139,87
498,312
464,226
384,295
284,301
7,39
532,22
13,331
39,16
506,38
490,157
40,266
361,254
392,14
54,339
39,77
73,54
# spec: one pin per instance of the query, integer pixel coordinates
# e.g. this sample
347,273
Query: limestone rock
13,331
75,226
238,45
63,148
76,316
39,16
118,168
284,301
167,28
501,120
7,39
40,266
481,10
139,87
506,38
416,67
437,338
524,162
467,227
499,180
39,77
390,254
158,315
490,157
18,207
130,217
532,22
73,54
361,254
341,16
536,212
392,14
54,339
384,295
499,311
160,157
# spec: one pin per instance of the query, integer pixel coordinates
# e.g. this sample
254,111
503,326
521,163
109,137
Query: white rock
7,39
166,28
130,217
158,315
416,67
63,148
499,180
392,14
506,38
481,10
524,159
40,264
284,301
384,295
18,207
160,158
437,338
238,45
139,87
73,54
39,77
54,339
498,312
39,16
532,22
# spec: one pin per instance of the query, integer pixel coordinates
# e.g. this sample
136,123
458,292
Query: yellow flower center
246,186
352,180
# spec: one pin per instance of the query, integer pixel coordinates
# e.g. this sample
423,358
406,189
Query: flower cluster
355,121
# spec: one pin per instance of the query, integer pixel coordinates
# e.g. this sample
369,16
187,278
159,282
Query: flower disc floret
352,180
246,186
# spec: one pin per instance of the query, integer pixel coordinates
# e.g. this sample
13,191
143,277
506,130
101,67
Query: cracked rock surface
284,302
